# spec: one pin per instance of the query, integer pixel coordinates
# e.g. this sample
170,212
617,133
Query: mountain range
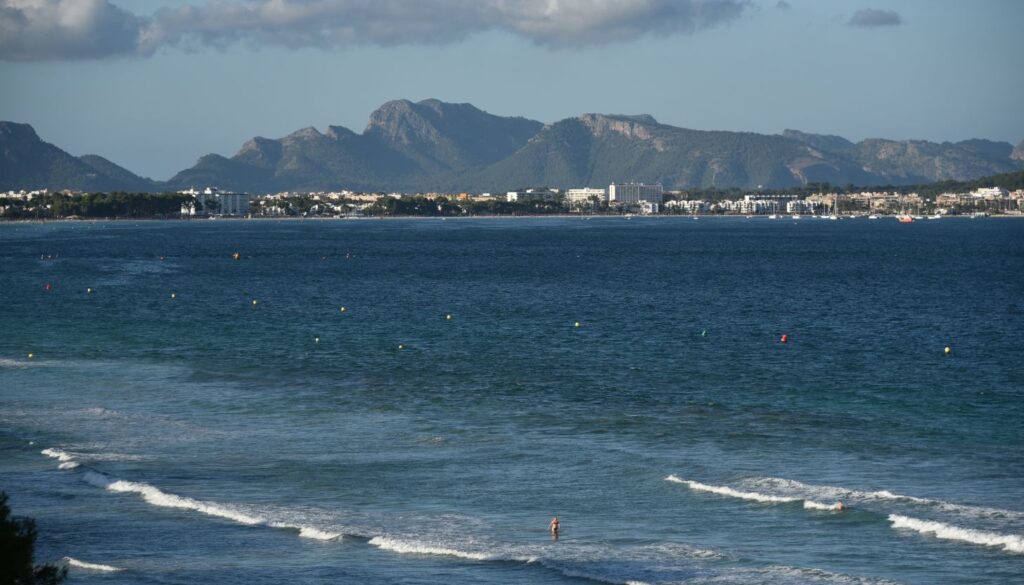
433,145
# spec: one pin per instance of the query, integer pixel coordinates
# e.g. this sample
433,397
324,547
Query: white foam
59,455
1009,542
727,491
420,548
308,531
156,497
828,492
68,465
812,505
90,566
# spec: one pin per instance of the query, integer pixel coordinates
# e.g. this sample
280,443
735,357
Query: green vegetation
95,205
17,552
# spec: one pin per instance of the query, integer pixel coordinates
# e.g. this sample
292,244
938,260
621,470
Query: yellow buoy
174,295
31,355
88,291
448,316
343,309
576,324
254,301
400,346
948,350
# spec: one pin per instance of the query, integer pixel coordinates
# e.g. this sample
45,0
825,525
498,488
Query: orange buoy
785,338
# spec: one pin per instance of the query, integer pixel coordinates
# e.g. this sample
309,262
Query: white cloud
32,30
69,29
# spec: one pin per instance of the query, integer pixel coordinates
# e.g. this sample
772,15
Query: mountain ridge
435,145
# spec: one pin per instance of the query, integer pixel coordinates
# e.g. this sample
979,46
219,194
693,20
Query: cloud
86,29
874,17
34,30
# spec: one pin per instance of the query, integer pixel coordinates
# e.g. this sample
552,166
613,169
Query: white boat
795,216
872,216
935,216
773,216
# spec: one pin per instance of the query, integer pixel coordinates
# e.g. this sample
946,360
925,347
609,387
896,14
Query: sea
411,401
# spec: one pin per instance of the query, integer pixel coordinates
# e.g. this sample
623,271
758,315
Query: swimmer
839,506
554,525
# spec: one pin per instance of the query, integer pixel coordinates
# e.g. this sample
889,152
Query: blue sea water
208,438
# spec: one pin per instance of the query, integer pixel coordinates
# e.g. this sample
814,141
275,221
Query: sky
154,84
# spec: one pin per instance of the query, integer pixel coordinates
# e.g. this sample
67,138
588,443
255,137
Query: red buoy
785,338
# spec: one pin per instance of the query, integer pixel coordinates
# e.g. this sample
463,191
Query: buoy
88,291
236,256
316,340
948,351
784,338
254,301
174,295
448,316
576,324
343,309
31,355
400,346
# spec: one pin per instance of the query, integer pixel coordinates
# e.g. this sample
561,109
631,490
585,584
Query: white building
990,193
626,193
532,195
211,201
582,196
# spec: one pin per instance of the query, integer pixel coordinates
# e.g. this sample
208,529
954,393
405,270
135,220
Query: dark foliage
17,551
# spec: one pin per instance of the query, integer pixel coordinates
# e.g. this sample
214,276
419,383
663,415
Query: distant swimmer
554,525
839,506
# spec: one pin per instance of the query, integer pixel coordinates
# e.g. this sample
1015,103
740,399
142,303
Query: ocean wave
828,492
308,531
157,497
1009,542
90,566
62,456
67,461
423,548
727,491
812,505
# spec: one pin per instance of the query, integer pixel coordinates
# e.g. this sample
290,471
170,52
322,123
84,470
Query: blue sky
153,86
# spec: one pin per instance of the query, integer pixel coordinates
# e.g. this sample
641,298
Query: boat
773,216
935,216
872,216
904,219
796,216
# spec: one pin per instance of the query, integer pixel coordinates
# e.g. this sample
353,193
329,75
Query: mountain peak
16,131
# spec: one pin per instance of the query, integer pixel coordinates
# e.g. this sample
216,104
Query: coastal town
627,198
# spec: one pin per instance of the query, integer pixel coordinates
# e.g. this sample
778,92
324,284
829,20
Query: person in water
554,525
839,506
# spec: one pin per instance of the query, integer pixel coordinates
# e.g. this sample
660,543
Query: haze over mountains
433,145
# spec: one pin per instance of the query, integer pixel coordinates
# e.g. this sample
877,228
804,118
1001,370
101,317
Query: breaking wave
1009,542
421,548
752,496
157,497
827,492
90,566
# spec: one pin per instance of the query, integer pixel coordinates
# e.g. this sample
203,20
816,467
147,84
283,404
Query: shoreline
712,216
